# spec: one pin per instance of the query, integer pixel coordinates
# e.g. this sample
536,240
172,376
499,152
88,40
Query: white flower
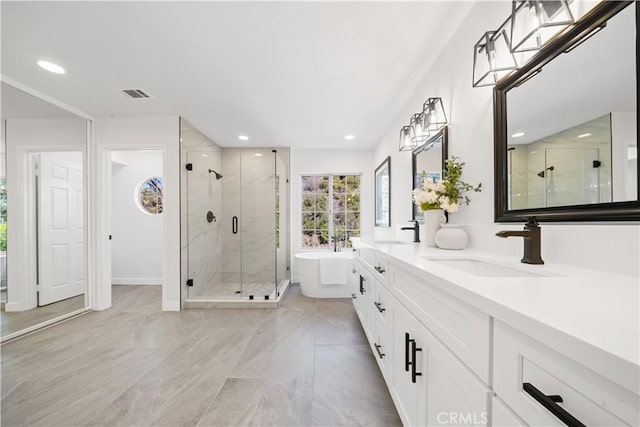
449,207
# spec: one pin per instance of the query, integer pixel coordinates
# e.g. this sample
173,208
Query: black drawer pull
353,296
379,307
414,364
380,354
361,285
379,270
407,363
549,402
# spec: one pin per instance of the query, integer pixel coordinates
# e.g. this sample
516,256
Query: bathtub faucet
416,231
336,246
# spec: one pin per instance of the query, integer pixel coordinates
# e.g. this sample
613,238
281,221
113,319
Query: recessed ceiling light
584,135
258,154
51,67
349,137
243,137
517,135
204,155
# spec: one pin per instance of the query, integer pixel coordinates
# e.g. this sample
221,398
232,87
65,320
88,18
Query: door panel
61,243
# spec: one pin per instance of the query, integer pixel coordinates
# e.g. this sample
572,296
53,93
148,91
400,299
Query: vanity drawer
384,351
384,308
381,269
462,328
525,371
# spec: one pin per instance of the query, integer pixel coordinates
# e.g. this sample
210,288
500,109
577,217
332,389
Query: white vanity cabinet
458,360
545,387
431,386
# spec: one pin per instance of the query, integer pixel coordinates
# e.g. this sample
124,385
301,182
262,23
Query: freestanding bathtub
308,265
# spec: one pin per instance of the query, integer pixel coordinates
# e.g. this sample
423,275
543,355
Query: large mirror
43,240
428,160
566,125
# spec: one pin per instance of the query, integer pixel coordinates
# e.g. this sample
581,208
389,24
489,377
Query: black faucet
531,235
416,231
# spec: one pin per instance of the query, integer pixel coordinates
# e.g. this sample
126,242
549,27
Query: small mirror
383,194
428,159
566,125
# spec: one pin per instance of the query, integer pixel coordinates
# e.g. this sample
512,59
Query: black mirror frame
386,163
568,39
444,134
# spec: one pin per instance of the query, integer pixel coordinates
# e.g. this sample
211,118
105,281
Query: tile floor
305,363
18,320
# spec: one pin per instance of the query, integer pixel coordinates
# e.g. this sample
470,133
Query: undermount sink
484,268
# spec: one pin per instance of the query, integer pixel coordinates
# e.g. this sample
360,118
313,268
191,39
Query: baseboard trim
136,281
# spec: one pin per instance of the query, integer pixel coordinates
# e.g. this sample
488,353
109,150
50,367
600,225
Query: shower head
218,176
541,174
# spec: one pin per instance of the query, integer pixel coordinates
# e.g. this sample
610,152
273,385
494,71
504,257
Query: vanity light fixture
418,132
517,135
433,115
406,144
243,137
492,57
533,22
51,67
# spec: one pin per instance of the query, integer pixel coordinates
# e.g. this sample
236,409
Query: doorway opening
135,224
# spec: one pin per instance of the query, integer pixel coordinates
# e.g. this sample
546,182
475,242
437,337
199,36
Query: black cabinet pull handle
407,340
361,285
234,225
379,269
380,354
379,307
414,364
549,402
353,296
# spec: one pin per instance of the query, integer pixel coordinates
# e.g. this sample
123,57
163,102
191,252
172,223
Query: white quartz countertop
591,316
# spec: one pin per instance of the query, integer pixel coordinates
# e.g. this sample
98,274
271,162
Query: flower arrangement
445,194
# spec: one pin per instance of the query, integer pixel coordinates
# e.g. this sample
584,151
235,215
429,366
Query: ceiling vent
134,93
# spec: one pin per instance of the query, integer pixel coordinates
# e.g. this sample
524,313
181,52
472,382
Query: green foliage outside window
330,207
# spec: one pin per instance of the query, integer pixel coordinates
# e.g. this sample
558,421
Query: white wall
335,162
136,256
609,247
155,133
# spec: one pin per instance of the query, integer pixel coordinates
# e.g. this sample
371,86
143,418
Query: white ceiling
299,74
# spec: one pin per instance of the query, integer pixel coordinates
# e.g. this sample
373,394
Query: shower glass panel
572,176
237,235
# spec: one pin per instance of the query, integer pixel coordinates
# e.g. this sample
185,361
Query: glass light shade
534,22
434,116
492,57
405,139
418,132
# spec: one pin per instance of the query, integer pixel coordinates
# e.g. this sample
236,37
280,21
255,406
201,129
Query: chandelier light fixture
418,133
405,139
492,57
423,125
433,115
533,22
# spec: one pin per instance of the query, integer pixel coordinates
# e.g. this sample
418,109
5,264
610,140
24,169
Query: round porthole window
149,196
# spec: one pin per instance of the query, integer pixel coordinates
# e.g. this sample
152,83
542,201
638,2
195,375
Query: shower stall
235,228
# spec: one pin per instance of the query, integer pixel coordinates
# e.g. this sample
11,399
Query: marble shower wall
200,193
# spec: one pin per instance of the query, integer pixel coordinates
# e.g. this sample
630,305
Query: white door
61,246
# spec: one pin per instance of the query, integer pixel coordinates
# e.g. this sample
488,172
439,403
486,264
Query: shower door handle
234,225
